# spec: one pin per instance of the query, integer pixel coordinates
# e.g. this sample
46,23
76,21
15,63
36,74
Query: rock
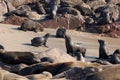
69,22
112,30
84,8
71,2
17,3
94,4
10,7
57,55
5,75
34,15
15,20
109,13
3,8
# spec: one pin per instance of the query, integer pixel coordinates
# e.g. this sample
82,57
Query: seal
102,49
73,48
115,58
54,8
54,68
17,57
39,41
107,74
60,32
31,26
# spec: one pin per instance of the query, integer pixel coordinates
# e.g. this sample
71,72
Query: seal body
102,50
60,32
74,48
31,26
39,41
16,57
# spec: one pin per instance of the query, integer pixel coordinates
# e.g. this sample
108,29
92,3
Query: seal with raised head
102,49
60,32
73,48
54,8
39,41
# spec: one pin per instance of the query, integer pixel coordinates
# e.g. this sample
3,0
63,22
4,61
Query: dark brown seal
102,49
74,48
60,32
39,41
16,57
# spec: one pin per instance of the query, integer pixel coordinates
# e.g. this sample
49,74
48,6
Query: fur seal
115,58
102,49
60,32
39,41
107,74
73,48
31,26
55,68
16,57
54,8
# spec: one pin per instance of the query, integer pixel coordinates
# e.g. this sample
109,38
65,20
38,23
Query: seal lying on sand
115,58
112,73
102,49
55,68
39,41
31,26
73,48
60,32
16,57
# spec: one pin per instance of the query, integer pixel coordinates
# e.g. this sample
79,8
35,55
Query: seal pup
60,32
39,41
72,48
102,49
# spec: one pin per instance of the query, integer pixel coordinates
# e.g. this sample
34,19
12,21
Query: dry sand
16,40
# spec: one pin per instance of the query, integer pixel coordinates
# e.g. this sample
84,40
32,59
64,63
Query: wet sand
17,40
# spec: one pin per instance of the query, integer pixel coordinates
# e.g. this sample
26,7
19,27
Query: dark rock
109,13
112,30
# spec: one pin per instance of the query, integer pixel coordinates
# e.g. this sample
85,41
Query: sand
16,40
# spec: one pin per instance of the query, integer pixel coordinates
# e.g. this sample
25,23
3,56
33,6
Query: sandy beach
17,40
